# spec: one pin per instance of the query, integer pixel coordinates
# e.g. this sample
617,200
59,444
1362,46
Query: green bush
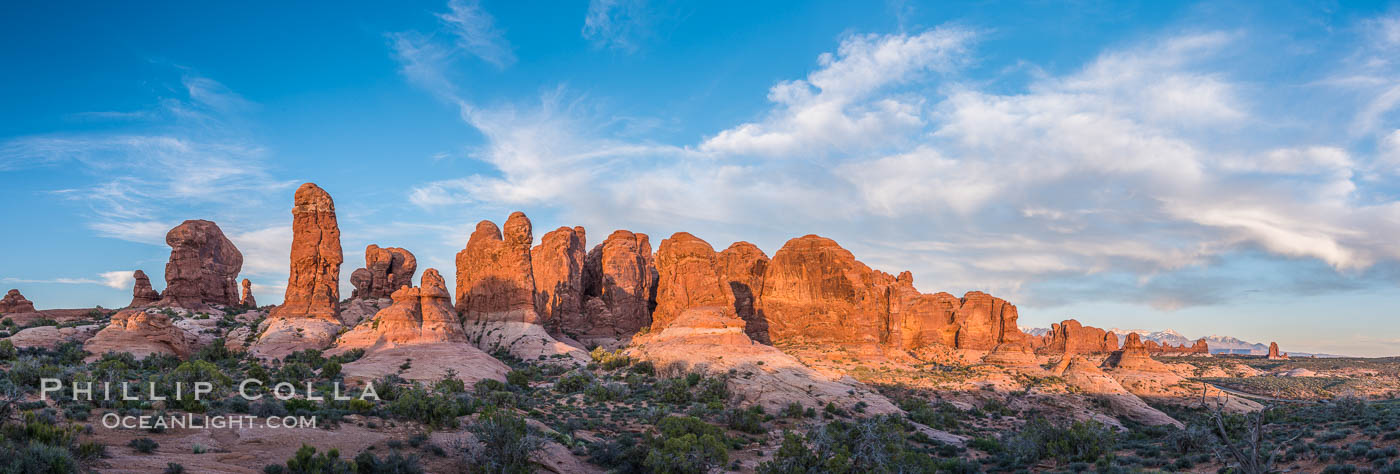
573,382
674,391
748,420
686,445
506,443
393,463
7,350
878,444
518,378
143,445
1084,441
307,461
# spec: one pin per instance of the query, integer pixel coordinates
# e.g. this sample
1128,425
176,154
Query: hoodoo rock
1274,353
741,268
494,279
1134,357
14,302
557,266
248,301
307,318
816,290
419,315
386,270
142,334
203,267
142,294
1070,337
619,282
687,278
496,294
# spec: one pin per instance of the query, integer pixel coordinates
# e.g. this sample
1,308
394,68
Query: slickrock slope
619,282
1070,337
741,268
557,266
1274,353
496,294
14,302
248,301
385,271
49,337
307,318
142,333
1134,357
420,328
1087,377
142,294
203,267
702,333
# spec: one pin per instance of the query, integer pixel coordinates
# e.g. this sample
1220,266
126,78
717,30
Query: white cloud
838,108
475,32
119,279
616,24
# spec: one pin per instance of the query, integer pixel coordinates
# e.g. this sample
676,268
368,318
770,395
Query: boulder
385,271
142,294
307,317
741,268
203,267
687,278
620,275
248,301
142,333
14,302
557,267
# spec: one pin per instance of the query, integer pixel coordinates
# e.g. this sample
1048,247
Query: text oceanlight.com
193,421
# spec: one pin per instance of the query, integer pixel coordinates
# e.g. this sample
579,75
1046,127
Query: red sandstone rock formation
203,266
1199,348
419,315
557,266
308,315
687,278
385,271
495,282
1134,357
15,303
1070,337
919,319
741,268
142,294
619,281
142,333
985,321
1274,353
248,301
313,289
814,289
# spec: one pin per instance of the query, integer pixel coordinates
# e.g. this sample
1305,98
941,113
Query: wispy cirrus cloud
118,279
616,24
475,32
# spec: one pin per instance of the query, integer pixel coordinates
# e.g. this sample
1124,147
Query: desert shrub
644,367
330,370
267,407
674,391
944,416
749,420
610,360
792,410
143,445
713,390
606,392
573,382
685,445
433,409
518,378
36,457
623,454
393,463
7,350
308,461
505,444
174,468
878,444
1080,441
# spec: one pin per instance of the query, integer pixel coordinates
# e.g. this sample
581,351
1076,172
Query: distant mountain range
1218,344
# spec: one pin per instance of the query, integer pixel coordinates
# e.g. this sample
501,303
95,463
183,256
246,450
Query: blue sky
1207,168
